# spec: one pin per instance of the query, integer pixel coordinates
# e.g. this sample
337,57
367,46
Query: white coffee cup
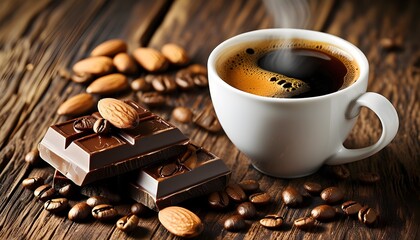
294,137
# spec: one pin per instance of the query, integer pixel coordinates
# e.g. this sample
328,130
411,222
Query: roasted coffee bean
81,77
128,223
68,190
207,119
32,182
234,223
197,69
182,114
218,200
96,200
341,171
189,157
304,223
246,210
140,84
184,79
249,185
56,205
369,177
79,212
351,207
152,99
272,221
168,170
260,198
84,123
368,215
323,212
33,157
44,192
138,209
102,126
164,83
312,188
291,197
104,212
235,192
201,80
332,195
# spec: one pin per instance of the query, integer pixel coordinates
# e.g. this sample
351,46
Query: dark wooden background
37,38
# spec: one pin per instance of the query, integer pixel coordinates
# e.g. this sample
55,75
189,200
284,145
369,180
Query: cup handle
389,120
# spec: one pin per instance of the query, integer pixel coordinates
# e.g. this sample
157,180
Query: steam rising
289,13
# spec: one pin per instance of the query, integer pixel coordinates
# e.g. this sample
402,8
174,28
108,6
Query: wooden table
38,38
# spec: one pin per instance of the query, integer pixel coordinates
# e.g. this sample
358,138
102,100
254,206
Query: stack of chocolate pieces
153,160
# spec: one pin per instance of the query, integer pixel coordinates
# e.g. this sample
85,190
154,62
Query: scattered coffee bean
249,185
351,207
184,79
198,69
218,200
272,221
312,188
96,200
152,99
33,157
260,198
104,212
332,195
369,177
201,80
235,192
128,223
44,192
341,171
140,84
84,123
164,83
182,114
68,190
234,223
291,197
79,212
304,223
207,119
246,210
368,215
138,209
323,212
101,126
56,205
32,182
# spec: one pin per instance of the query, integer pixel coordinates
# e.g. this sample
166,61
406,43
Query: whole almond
93,65
175,54
77,105
150,59
124,63
109,48
108,84
180,222
117,112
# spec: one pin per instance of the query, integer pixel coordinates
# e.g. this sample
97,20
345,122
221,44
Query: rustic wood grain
38,38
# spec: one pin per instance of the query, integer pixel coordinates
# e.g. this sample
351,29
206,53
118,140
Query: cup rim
262,34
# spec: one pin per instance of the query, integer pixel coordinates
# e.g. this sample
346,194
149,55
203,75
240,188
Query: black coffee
287,68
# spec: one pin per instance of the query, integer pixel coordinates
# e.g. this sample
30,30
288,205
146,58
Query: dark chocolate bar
193,173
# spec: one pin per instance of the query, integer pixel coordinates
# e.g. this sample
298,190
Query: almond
118,113
180,222
175,54
93,65
109,48
150,59
77,105
108,84
124,63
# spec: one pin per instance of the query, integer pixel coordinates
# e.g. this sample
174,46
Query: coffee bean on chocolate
368,177
351,207
44,192
246,210
249,185
96,200
104,212
272,221
341,171
291,197
163,83
56,205
201,80
152,99
68,190
84,124
312,187
234,223
368,215
332,195
218,200
101,126
79,212
207,119
182,114
304,223
32,157
128,223
189,157
32,182
323,212
140,84
261,198
168,170
235,192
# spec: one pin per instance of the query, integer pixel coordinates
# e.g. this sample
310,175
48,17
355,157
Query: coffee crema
288,68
